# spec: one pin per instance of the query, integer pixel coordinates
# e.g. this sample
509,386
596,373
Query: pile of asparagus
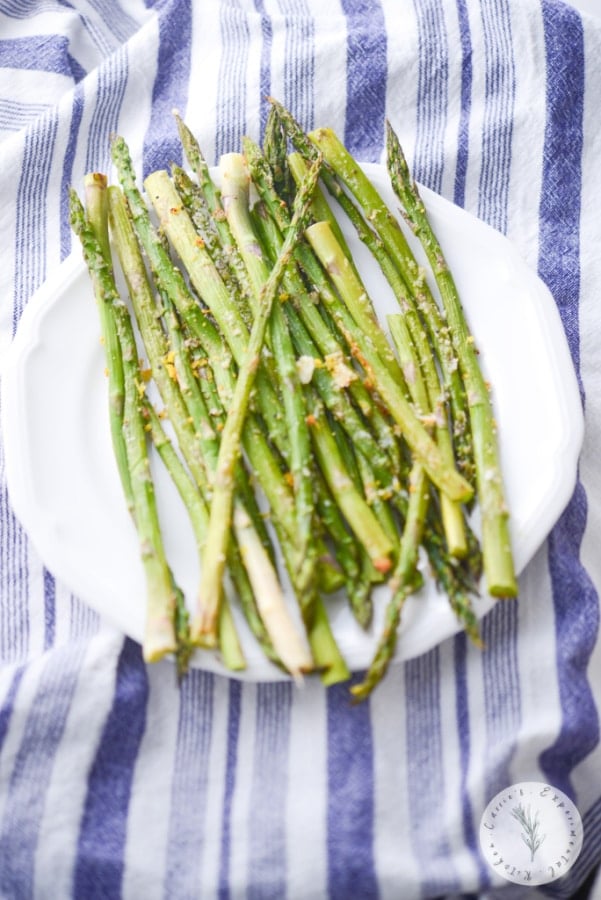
309,449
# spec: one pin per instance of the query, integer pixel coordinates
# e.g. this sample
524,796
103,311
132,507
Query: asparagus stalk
195,257
221,506
287,639
252,254
496,542
95,185
353,292
212,197
258,565
279,496
405,581
331,375
389,247
355,508
322,211
328,659
226,259
422,379
275,148
167,276
171,280
207,434
235,192
229,643
159,634
444,476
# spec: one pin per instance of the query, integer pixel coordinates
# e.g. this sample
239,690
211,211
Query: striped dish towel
114,782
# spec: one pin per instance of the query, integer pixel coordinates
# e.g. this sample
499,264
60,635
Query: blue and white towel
114,782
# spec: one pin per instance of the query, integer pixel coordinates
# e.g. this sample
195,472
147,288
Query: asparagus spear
422,379
373,357
170,279
226,259
211,194
229,643
205,620
445,477
363,522
355,508
275,148
496,542
235,192
329,346
171,282
291,650
207,434
405,581
95,185
159,634
389,247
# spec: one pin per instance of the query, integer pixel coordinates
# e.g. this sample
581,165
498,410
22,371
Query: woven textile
114,781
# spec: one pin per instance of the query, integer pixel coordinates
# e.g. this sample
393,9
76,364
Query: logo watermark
531,833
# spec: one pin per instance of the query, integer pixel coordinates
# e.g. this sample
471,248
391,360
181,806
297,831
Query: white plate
63,481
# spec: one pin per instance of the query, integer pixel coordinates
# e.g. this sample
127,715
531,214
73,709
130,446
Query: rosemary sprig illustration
531,825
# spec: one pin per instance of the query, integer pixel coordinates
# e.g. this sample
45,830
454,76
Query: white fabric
114,781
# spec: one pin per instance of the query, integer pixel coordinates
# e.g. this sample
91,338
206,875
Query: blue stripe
425,775
31,226
170,91
572,884
67,175
233,732
466,104
16,115
265,65
366,77
104,45
350,813
576,602
231,84
84,621
267,823
6,710
590,856
576,605
22,9
40,53
30,270
14,583
497,131
101,844
501,693
432,93
120,23
32,771
187,819
464,735
49,609
501,684
112,82
299,61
